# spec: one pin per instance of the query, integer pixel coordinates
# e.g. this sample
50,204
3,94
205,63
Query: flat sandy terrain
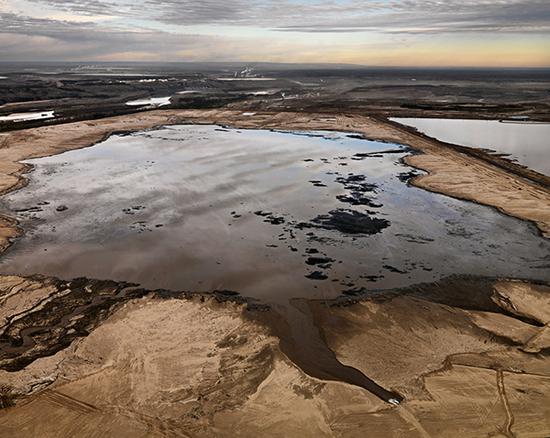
195,366
89,358
461,364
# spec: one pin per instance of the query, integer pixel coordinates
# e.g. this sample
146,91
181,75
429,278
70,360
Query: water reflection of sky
527,143
174,208
23,117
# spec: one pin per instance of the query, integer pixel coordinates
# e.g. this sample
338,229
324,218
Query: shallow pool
269,214
23,117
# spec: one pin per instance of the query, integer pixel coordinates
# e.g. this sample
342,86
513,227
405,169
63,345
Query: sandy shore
468,355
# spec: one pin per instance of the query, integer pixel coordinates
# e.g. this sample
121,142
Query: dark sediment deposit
349,222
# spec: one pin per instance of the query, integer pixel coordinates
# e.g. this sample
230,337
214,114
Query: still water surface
272,215
528,143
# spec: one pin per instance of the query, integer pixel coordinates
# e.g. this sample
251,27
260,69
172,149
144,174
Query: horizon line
332,64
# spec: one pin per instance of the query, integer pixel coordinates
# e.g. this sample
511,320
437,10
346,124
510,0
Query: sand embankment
468,354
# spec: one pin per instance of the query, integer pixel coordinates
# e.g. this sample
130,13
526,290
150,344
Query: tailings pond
272,215
528,143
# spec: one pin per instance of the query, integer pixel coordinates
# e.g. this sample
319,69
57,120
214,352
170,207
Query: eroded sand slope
199,366
469,355
171,367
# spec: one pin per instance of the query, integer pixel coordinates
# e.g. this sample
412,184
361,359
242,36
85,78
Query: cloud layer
268,29
324,15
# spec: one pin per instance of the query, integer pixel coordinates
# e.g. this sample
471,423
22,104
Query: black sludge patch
350,222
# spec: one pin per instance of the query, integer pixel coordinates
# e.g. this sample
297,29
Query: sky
420,33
